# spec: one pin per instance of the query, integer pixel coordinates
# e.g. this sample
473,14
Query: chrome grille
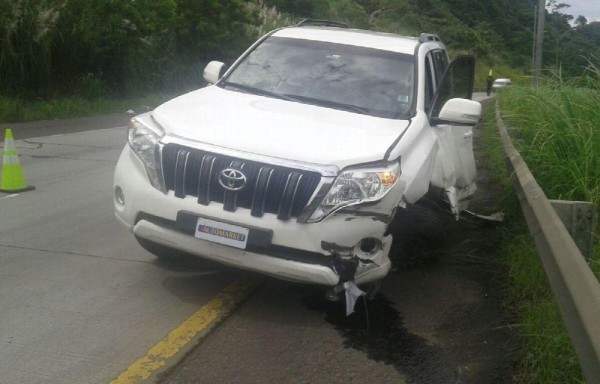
269,188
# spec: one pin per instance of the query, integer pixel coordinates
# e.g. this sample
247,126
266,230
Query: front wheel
162,252
418,232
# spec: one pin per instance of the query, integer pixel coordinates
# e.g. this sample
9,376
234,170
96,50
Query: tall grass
555,129
26,30
559,135
267,18
32,88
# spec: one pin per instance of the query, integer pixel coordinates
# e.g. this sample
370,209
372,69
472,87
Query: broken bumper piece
279,266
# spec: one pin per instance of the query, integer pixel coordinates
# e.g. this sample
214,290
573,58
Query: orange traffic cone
12,177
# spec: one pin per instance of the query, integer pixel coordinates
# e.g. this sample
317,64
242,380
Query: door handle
468,135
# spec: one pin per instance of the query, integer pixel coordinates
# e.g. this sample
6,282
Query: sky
588,8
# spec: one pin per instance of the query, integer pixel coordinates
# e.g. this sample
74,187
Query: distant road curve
40,128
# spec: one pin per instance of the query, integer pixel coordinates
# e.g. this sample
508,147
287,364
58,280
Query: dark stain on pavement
376,329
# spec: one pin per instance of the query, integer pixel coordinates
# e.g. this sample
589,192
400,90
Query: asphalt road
81,302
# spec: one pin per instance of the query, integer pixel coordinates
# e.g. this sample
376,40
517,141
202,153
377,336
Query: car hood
278,128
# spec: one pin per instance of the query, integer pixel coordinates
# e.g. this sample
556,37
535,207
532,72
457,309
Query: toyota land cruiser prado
294,161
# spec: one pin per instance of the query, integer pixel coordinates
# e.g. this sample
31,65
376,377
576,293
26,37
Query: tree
581,21
26,35
299,8
211,28
119,43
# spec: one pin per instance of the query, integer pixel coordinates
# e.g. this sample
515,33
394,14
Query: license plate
222,233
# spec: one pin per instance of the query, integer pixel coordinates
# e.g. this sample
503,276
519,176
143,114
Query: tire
162,252
418,232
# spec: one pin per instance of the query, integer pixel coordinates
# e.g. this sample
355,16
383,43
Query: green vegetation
498,32
78,57
73,58
99,48
559,135
18,109
556,137
110,49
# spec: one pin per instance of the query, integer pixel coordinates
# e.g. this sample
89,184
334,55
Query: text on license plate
222,233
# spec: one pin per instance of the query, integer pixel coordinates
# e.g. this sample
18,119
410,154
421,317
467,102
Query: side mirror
212,72
460,111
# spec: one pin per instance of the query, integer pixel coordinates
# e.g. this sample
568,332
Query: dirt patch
442,320
439,322
456,303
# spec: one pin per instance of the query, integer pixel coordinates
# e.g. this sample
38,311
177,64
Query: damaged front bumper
349,245
288,264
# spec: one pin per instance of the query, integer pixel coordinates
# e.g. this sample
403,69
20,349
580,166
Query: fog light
370,245
119,196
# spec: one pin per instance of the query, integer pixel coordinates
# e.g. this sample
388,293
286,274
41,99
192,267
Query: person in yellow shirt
490,81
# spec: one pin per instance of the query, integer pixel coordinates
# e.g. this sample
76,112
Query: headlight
143,137
356,186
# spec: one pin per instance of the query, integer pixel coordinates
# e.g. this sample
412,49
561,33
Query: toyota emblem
232,179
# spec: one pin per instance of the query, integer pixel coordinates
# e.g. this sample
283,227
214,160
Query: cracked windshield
362,80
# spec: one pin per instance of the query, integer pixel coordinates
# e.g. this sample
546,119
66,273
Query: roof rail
425,37
323,23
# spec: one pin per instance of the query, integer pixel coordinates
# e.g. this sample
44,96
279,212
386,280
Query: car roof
357,37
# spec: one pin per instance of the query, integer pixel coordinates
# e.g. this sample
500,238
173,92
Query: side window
436,63
456,82
440,63
429,82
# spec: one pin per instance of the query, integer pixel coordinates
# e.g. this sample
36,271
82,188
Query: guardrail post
579,218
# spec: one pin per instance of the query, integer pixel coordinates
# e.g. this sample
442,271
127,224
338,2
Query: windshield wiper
298,98
331,104
258,91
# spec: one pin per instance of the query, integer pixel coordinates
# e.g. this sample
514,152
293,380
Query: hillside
498,32
99,49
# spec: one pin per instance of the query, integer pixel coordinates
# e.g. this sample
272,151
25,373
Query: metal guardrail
573,283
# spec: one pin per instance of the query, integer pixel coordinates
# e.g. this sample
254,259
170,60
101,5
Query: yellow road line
157,356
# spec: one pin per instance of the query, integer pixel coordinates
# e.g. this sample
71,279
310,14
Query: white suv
294,161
